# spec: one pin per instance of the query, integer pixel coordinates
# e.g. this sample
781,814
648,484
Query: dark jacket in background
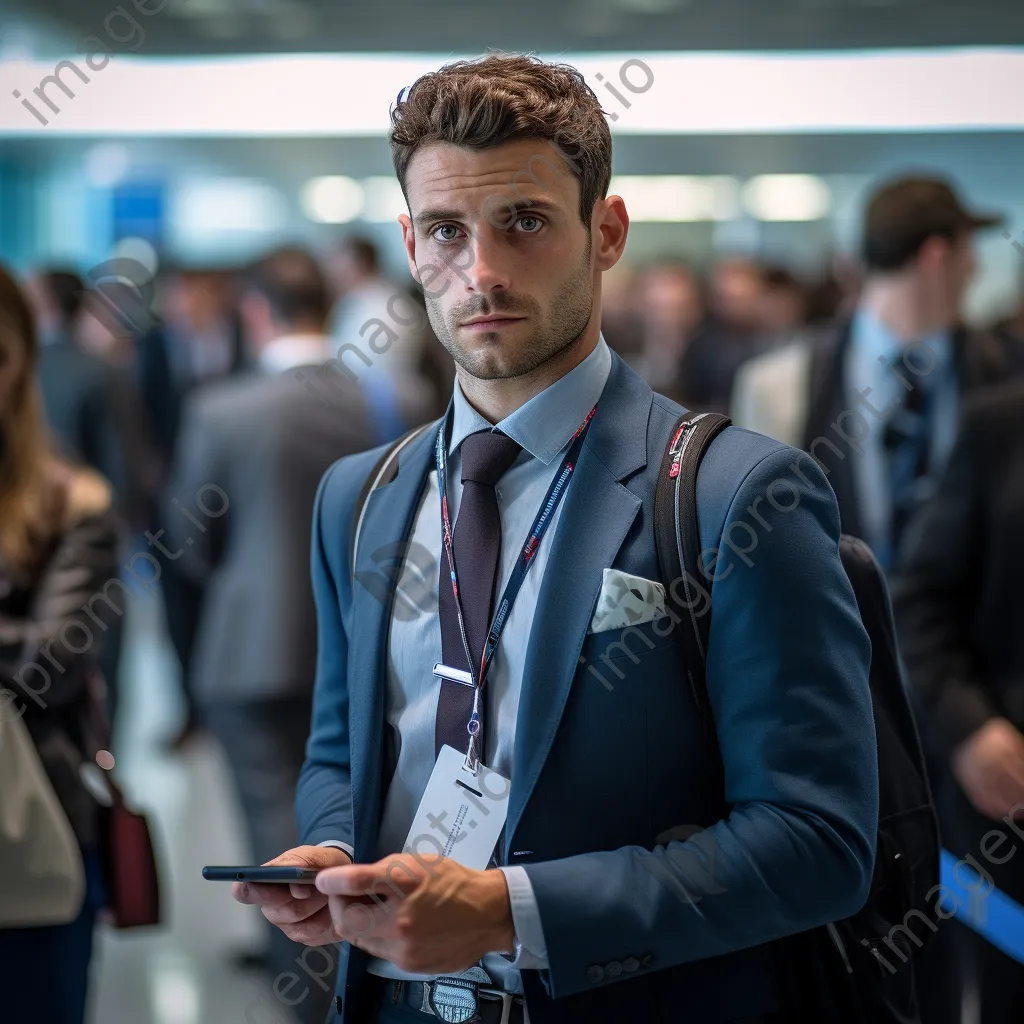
265,441
959,609
68,602
957,590
709,364
163,391
95,413
980,359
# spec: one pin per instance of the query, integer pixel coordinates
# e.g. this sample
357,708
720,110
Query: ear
934,252
609,224
409,241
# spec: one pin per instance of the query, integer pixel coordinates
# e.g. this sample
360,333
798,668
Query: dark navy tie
906,439
476,543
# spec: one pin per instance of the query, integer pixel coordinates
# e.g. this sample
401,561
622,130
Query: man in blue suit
526,649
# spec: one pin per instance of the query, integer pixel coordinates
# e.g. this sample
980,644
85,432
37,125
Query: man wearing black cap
875,399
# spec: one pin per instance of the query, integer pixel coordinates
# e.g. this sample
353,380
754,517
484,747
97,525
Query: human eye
445,238
534,222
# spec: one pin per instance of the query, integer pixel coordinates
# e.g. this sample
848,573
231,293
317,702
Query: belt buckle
453,997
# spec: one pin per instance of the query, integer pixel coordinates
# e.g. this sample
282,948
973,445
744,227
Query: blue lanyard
556,491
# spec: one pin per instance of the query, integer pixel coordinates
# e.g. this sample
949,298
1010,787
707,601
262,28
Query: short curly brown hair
503,98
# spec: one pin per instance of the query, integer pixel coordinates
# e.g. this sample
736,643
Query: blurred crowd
251,381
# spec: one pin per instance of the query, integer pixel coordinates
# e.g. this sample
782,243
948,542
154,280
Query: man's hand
989,765
425,915
300,911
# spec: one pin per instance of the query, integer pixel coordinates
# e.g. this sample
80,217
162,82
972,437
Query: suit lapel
827,403
390,511
594,521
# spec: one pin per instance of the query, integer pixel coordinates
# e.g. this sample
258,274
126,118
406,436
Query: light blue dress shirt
874,390
543,426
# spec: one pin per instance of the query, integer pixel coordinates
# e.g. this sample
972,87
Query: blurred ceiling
469,26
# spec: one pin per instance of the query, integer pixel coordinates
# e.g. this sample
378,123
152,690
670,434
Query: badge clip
456,675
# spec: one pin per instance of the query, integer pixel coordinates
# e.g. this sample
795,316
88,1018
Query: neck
897,303
496,399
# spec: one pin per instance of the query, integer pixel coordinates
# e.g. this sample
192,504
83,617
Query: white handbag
42,877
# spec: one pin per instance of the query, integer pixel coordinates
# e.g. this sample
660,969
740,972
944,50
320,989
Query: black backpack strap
383,472
677,539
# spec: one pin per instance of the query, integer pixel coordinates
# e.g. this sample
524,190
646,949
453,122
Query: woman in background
59,540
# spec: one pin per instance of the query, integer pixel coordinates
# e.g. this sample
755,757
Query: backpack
859,970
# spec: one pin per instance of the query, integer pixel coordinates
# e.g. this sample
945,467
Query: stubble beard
552,334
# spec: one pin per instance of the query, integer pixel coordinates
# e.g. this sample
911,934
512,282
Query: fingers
361,922
995,793
351,880
1014,772
241,892
253,894
311,857
399,875
316,930
293,911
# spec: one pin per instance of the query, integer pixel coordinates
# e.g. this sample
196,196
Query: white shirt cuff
531,951
339,845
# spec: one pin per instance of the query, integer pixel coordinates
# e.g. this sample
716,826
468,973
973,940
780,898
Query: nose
486,271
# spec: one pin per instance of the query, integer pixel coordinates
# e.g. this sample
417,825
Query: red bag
127,856
129,864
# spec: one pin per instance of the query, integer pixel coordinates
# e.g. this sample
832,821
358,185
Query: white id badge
461,814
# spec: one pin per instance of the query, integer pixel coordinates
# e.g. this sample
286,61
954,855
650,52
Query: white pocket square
626,600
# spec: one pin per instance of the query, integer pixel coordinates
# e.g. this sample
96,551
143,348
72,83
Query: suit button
595,974
630,964
613,969
646,960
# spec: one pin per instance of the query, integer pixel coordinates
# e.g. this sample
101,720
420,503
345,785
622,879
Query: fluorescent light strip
689,93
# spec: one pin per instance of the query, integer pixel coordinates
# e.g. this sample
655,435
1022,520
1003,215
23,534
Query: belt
454,999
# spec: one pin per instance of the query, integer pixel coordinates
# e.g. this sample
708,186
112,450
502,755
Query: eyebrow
440,213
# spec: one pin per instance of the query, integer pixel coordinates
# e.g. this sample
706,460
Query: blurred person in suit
59,544
833,296
959,609
95,413
875,399
885,384
198,340
782,304
93,409
731,334
251,455
671,309
375,319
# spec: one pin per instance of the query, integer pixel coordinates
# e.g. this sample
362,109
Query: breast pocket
612,650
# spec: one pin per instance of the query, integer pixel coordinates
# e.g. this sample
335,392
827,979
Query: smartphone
280,874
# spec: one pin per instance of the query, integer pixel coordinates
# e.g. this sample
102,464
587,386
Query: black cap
904,214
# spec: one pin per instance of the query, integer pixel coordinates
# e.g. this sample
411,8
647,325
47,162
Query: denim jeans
44,972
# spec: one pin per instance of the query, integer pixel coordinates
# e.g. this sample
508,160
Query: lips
492,321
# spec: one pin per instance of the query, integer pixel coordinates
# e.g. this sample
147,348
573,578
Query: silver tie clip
456,675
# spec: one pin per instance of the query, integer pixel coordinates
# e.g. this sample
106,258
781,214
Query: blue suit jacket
639,928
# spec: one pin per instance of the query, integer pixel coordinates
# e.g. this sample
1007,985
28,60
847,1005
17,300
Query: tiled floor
178,974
